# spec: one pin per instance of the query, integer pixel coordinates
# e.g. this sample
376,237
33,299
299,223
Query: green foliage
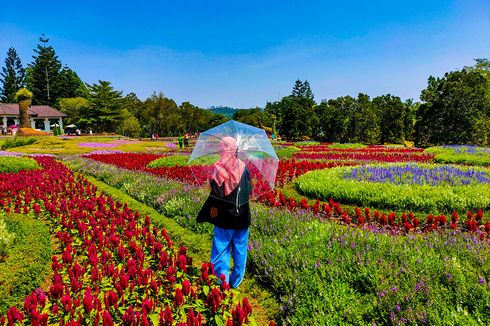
75,108
454,105
27,263
130,126
250,116
105,111
194,119
171,160
23,94
286,152
468,159
468,155
12,77
347,145
392,111
49,80
161,115
296,117
346,119
16,164
330,183
344,271
17,142
302,89
306,143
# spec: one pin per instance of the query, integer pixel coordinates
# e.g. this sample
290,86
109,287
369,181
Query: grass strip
28,260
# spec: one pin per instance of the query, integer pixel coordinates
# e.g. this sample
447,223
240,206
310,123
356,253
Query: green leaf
205,289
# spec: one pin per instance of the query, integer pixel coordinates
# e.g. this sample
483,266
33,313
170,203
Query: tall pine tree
49,80
298,89
105,110
43,77
12,77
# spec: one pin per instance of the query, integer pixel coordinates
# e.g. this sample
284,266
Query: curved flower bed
444,197
418,174
377,156
461,154
111,265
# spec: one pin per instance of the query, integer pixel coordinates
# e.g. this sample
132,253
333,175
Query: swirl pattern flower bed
418,174
443,197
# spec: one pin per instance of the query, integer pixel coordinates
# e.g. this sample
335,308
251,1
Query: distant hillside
224,110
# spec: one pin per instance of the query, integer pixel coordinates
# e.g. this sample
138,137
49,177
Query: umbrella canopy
224,155
71,126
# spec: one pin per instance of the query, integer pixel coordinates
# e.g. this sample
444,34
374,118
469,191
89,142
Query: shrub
172,160
287,152
347,145
306,143
27,263
18,142
16,163
461,154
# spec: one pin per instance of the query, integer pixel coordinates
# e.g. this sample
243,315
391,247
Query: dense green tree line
454,109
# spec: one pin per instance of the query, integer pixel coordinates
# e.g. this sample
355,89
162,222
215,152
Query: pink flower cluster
113,143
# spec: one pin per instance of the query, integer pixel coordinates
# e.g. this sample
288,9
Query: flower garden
363,235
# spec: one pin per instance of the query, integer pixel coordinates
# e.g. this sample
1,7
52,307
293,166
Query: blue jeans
225,240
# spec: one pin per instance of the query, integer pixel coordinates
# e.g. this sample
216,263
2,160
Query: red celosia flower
128,317
178,298
110,299
479,215
181,263
186,287
88,301
14,315
67,302
454,217
415,222
107,319
166,318
214,299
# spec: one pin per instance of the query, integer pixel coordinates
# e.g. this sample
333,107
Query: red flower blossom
214,299
178,298
107,319
166,318
186,287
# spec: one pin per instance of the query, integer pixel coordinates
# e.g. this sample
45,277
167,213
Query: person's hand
214,212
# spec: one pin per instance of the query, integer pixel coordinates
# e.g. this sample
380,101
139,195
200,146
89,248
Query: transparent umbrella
236,160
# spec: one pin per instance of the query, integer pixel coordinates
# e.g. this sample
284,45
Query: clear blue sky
245,53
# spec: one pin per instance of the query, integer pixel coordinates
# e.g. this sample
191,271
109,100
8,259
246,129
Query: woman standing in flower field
228,209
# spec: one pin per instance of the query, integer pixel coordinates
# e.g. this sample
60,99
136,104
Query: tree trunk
23,113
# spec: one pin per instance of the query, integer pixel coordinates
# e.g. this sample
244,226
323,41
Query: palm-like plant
24,97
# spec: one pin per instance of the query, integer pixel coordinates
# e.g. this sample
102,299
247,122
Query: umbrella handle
237,196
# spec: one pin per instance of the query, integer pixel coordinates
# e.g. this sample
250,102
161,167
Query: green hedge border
10,164
450,156
28,263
